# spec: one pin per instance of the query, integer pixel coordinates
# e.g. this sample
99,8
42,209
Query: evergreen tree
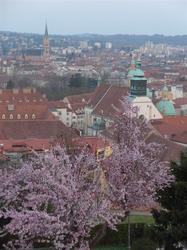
10,84
171,220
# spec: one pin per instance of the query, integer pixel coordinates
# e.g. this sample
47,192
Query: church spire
46,46
46,30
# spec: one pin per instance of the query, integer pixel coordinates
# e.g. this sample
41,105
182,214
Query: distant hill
118,40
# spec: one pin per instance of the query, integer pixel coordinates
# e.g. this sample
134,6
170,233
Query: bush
120,237
144,244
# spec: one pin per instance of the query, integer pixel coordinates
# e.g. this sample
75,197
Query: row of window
22,100
73,118
18,117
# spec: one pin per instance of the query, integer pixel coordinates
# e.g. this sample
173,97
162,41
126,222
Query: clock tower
138,81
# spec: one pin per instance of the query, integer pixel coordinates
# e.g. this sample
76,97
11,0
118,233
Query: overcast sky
167,17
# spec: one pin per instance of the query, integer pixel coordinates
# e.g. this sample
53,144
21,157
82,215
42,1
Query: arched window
11,117
26,117
18,116
33,116
3,117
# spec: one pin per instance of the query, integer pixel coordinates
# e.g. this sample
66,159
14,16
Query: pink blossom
58,198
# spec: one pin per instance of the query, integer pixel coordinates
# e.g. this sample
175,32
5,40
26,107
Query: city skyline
94,16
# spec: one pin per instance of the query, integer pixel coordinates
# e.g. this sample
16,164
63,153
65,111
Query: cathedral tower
46,47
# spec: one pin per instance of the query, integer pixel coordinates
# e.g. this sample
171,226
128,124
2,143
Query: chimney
10,107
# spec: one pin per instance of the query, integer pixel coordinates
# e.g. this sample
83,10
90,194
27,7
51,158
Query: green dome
166,107
138,73
131,72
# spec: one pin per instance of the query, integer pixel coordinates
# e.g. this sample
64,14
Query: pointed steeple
46,45
46,30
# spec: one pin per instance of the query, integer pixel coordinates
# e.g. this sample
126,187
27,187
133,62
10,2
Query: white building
177,91
84,44
146,108
108,45
97,45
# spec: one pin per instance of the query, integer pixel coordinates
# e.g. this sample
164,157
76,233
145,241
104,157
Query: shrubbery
139,233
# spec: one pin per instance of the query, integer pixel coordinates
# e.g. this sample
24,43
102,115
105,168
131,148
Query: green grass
111,248
135,219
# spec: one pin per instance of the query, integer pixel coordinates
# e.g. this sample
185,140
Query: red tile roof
20,130
57,104
76,103
98,94
174,128
170,153
39,110
79,99
172,150
180,101
25,145
78,108
107,98
93,142
75,107
21,96
156,85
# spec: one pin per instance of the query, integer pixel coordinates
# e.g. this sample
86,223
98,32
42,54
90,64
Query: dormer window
26,117
3,117
18,116
10,107
11,117
33,116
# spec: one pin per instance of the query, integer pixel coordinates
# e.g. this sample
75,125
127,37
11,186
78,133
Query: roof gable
107,99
